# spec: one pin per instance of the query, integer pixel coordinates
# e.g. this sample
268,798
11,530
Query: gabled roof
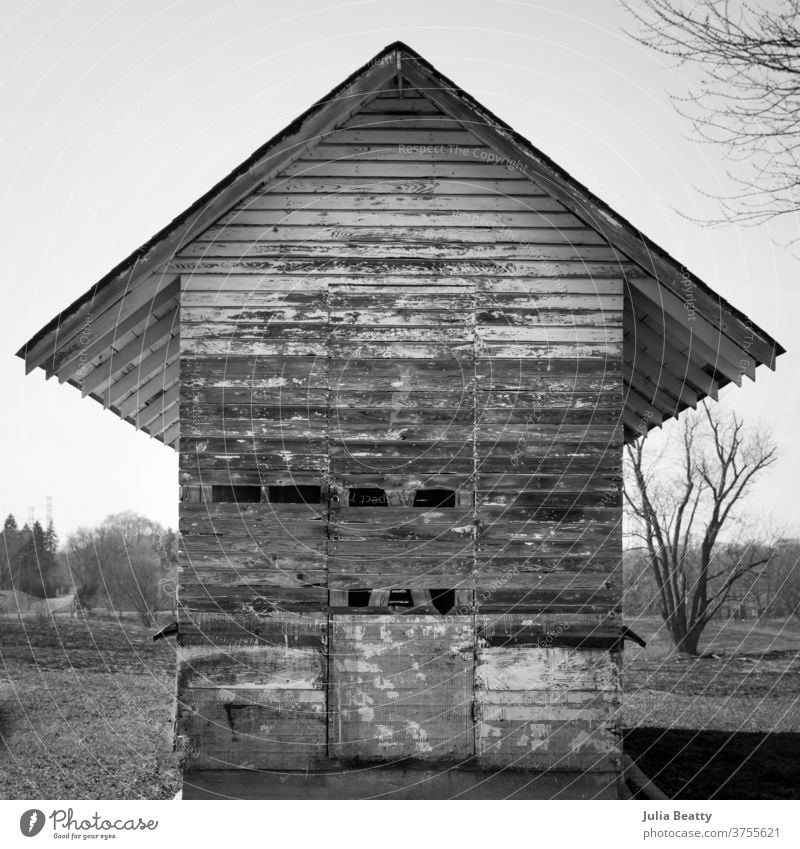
118,341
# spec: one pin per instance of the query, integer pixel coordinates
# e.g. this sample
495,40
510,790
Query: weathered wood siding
399,310
401,686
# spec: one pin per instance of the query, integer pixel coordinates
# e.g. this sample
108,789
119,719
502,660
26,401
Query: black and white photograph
400,404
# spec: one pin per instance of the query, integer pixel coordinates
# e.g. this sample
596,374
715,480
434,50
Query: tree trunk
689,642
685,640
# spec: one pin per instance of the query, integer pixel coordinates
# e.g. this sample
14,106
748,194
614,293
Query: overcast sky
116,116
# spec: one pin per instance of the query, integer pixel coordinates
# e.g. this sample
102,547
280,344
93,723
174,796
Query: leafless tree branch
680,518
747,96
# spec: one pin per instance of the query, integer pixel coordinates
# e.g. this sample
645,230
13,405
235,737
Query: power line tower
49,510
31,516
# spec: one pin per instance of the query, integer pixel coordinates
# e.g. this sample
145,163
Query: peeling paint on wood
367,322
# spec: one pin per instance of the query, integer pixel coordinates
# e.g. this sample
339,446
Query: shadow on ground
705,764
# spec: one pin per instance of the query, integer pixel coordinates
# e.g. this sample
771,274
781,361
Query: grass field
86,711
748,678
725,725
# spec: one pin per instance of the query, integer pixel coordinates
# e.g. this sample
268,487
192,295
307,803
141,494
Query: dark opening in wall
401,598
367,497
239,493
435,498
443,600
358,598
295,494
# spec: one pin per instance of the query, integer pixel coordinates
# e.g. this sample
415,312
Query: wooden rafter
658,373
258,169
143,371
695,346
110,327
661,349
157,407
634,425
653,393
626,239
641,407
684,341
148,390
169,416
102,375
658,301
171,434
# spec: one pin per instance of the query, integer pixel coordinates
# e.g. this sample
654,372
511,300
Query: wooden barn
398,351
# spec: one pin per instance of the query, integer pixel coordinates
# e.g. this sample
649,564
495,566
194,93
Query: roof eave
128,265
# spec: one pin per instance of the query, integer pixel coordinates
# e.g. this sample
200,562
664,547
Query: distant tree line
126,563
28,558
772,591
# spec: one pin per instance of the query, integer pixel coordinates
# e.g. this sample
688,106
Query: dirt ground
725,725
86,711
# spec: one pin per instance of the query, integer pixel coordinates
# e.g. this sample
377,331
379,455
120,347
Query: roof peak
365,82
398,45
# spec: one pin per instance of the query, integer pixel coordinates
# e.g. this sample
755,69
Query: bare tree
747,97
784,587
135,579
680,509
128,558
85,552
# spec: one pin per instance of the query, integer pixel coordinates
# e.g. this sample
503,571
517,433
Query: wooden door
401,687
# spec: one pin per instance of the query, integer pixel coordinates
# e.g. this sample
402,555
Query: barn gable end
116,342
399,353
400,311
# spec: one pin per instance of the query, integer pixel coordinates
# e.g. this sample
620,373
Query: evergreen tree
51,538
21,564
35,569
9,550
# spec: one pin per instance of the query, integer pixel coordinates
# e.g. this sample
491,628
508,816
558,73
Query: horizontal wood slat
401,324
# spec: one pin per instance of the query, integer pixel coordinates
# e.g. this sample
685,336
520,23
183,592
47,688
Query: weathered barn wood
399,352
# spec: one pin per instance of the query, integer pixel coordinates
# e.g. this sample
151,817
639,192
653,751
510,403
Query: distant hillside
19,602
11,602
